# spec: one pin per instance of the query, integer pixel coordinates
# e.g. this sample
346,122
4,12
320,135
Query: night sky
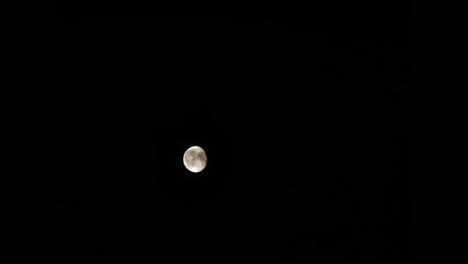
298,114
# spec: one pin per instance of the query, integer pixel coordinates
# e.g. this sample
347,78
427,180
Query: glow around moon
195,159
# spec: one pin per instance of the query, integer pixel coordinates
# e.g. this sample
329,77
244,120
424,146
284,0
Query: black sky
299,114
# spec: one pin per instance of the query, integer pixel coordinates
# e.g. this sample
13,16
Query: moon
195,159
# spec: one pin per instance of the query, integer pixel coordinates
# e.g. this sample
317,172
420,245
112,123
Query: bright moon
195,159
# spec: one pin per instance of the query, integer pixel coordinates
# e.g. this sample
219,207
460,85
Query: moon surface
195,159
